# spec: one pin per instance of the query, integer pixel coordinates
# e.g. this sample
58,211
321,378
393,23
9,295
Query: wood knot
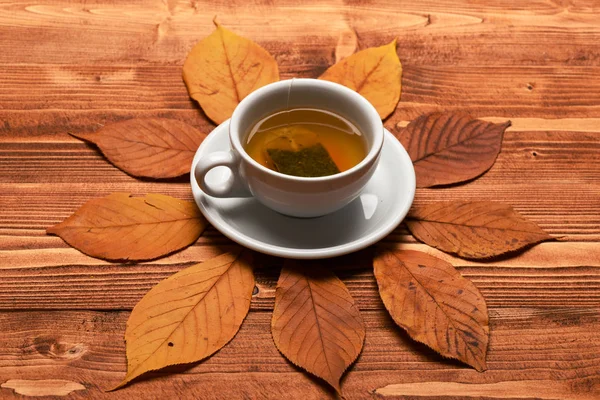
52,347
263,290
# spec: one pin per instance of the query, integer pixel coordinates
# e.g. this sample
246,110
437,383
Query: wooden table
74,66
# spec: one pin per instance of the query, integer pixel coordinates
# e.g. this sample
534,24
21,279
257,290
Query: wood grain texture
430,32
75,66
552,344
549,275
75,97
551,178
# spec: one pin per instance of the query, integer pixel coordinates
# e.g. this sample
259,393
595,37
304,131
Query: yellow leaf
121,227
315,323
224,68
190,315
434,303
375,73
148,147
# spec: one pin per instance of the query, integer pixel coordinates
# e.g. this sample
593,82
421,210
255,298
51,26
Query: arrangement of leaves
316,324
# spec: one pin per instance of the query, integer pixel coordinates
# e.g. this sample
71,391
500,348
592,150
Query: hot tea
306,142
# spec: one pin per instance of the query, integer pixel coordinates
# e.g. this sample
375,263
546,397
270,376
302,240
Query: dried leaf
434,304
121,227
315,322
474,230
148,147
190,315
224,68
375,73
451,147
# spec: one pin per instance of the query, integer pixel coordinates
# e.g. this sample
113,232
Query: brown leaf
190,315
451,147
315,322
434,304
475,230
223,68
375,73
148,147
121,227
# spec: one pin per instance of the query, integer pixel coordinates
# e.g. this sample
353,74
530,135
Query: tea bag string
287,106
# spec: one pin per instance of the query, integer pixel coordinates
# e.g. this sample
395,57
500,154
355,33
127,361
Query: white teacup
287,194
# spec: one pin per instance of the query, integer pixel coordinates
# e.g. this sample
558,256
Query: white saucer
379,209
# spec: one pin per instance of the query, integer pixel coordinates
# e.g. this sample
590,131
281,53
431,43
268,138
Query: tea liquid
306,142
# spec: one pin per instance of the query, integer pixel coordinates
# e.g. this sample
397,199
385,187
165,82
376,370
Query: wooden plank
429,32
549,275
31,252
562,212
141,87
525,155
556,208
87,348
553,178
44,102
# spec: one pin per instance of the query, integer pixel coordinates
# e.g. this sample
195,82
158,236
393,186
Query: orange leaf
224,68
375,73
189,316
315,322
434,304
475,230
148,147
451,147
121,227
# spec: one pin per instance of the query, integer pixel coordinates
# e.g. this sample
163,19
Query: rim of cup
371,155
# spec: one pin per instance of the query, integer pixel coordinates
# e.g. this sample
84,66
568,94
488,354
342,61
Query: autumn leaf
122,227
375,73
224,68
190,315
474,230
436,306
148,147
451,147
315,323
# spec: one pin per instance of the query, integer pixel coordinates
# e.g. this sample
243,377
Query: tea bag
296,150
310,161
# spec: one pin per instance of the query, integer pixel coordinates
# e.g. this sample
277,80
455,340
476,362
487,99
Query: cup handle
232,187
